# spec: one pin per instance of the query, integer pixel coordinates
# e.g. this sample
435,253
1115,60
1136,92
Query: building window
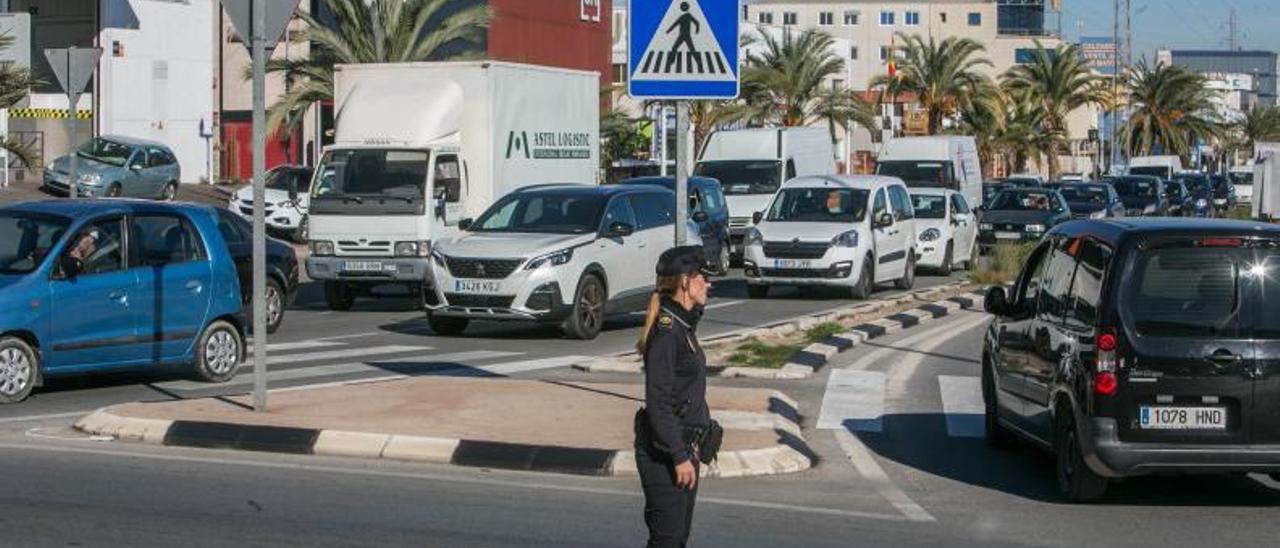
789,18
619,74
911,19
884,53
886,19
853,53
826,18
1023,56
975,19
943,15
765,18
850,18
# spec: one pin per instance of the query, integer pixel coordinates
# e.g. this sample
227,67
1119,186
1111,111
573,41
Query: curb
791,454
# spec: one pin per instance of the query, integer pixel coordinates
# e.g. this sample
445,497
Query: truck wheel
1076,481
755,291
997,436
866,281
447,327
18,366
908,279
219,352
338,296
587,317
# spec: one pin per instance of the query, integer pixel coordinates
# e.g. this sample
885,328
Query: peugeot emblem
480,269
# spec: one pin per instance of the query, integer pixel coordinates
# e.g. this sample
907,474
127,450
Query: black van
1132,346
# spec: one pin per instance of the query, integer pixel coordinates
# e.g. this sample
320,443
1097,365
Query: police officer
675,396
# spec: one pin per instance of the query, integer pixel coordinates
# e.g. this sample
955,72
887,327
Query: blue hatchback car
88,286
705,197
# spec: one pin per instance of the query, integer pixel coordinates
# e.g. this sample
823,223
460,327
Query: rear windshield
1084,194
929,206
1186,292
1016,200
1142,188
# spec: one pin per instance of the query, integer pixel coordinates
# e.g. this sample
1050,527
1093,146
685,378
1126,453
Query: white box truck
751,164
1164,167
944,161
420,146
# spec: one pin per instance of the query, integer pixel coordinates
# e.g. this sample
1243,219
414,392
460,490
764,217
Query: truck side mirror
465,224
757,217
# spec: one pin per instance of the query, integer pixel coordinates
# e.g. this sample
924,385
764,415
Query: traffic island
564,427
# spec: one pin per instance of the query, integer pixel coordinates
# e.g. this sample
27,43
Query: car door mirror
620,230
996,303
465,224
885,219
700,217
757,217
135,167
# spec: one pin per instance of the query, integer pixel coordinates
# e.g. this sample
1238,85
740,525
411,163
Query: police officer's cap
685,259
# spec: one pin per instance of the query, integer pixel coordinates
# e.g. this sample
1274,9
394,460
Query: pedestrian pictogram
684,49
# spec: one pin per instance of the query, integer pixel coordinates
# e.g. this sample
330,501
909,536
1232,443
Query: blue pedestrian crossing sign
683,49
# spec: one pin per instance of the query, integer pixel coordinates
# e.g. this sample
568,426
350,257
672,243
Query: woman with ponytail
673,427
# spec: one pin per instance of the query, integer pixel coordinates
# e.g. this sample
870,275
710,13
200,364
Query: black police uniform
675,401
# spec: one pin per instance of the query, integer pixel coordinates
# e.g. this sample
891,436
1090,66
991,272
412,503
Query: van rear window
1185,292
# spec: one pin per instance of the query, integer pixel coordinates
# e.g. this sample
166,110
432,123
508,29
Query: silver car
113,166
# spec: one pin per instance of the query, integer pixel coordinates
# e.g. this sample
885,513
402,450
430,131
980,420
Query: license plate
1182,418
791,263
1008,235
362,266
476,286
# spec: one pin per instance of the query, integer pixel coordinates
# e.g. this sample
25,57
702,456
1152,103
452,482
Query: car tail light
1104,375
1221,242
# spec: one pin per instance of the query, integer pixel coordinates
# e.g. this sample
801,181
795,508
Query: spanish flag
893,58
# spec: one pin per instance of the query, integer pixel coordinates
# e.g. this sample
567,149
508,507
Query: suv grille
795,250
479,301
739,222
485,269
808,273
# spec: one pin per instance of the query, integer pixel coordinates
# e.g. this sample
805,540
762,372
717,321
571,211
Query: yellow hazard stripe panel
48,113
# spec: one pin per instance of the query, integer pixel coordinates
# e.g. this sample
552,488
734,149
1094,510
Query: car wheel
447,327
757,291
338,296
300,234
219,353
18,366
948,261
866,281
114,191
170,192
996,434
1076,481
975,252
726,257
587,317
908,279
274,298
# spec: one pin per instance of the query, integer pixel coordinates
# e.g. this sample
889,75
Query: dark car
1180,202
1199,194
706,197
1224,194
989,191
1138,346
1143,195
282,268
1021,215
1092,200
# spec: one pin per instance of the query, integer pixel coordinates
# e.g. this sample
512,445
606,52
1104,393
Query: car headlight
1219,201
986,226
89,179
554,259
287,203
413,249
754,237
1099,214
1035,228
321,248
846,239
1202,203
1149,209
930,235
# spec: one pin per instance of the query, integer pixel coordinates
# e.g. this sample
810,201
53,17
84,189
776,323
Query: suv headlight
554,259
930,235
1035,228
754,237
287,203
846,239
986,226
1202,203
321,248
413,249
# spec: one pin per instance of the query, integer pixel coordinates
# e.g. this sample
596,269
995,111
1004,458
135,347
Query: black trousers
668,510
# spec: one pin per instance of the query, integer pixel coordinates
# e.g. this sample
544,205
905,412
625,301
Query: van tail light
1104,374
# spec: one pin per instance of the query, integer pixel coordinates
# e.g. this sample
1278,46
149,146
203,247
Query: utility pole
1231,30
1115,83
1128,70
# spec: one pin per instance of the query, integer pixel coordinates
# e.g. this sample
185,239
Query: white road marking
866,465
353,336
300,345
533,365
962,404
426,363
336,355
901,372
29,418
723,304
513,479
854,399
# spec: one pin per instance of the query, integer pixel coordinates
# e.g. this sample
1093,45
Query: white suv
563,254
842,231
946,229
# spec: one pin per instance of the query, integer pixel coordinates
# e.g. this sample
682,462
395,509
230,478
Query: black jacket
675,387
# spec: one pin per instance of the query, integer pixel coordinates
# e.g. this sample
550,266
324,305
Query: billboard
1100,52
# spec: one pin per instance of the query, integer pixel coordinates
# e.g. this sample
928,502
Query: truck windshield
25,240
1241,178
819,205
371,181
553,213
920,174
741,177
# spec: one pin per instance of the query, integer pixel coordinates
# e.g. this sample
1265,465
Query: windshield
989,192
1084,194
920,174
929,207
741,177
1241,178
25,240
280,178
104,151
819,205
1197,185
1135,188
1014,200
555,213
372,173
1157,171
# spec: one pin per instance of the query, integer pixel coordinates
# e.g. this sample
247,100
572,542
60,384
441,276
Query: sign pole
682,171
73,179
258,41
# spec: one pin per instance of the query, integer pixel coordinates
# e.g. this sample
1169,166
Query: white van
751,164
944,161
1164,167
1242,178
841,231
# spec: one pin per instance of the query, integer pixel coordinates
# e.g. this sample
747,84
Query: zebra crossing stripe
962,405
854,400
336,355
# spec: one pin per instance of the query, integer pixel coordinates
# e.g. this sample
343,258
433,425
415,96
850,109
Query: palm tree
1005,128
1055,82
369,31
1171,109
944,76
843,109
16,82
783,84
1258,124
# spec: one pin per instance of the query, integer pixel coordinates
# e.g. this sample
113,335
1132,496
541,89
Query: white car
287,200
850,232
561,254
946,229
